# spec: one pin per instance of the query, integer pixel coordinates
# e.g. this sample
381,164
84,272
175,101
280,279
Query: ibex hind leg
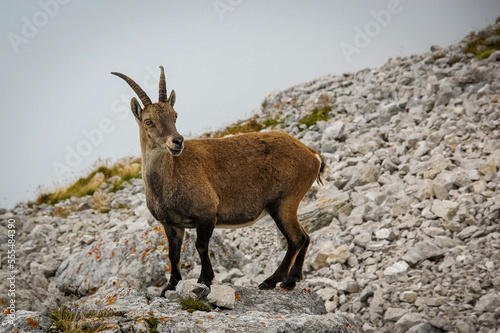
285,216
295,274
175,237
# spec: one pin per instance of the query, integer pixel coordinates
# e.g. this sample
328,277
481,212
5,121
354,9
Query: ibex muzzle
229,182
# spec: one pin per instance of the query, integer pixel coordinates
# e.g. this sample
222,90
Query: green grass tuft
248,126
117,187
191,305
316,115
479,46
272,123
88,185
243,127
152,323
485,54
71,320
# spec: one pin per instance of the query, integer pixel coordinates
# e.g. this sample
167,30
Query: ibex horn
138,90
163,87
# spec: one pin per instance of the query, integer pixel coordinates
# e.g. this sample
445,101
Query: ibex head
156,120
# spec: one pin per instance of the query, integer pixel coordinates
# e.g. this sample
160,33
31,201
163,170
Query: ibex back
228,182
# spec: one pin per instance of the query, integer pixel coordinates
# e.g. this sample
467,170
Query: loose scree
222,183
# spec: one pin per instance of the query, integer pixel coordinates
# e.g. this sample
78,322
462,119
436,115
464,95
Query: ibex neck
157,169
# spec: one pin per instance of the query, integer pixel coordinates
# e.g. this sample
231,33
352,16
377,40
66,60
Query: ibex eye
148,122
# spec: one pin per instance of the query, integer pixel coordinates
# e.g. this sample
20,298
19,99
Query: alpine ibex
225,183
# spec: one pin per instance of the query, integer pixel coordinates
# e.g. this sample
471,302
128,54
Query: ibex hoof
266,285
287,285
207,282
167,288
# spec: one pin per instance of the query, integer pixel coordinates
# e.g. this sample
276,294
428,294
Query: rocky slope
405,232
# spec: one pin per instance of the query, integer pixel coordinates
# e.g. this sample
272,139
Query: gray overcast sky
61,107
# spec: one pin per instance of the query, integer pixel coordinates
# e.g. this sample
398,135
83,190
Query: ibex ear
136,108
171,99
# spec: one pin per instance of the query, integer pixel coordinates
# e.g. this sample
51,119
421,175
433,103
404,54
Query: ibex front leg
203,234
175,236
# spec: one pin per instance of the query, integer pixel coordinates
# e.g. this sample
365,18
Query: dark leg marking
285,216
203,234
175,236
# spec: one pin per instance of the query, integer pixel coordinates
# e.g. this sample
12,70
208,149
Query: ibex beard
226,183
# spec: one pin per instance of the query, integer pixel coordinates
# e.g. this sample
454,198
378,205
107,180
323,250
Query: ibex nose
178,140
